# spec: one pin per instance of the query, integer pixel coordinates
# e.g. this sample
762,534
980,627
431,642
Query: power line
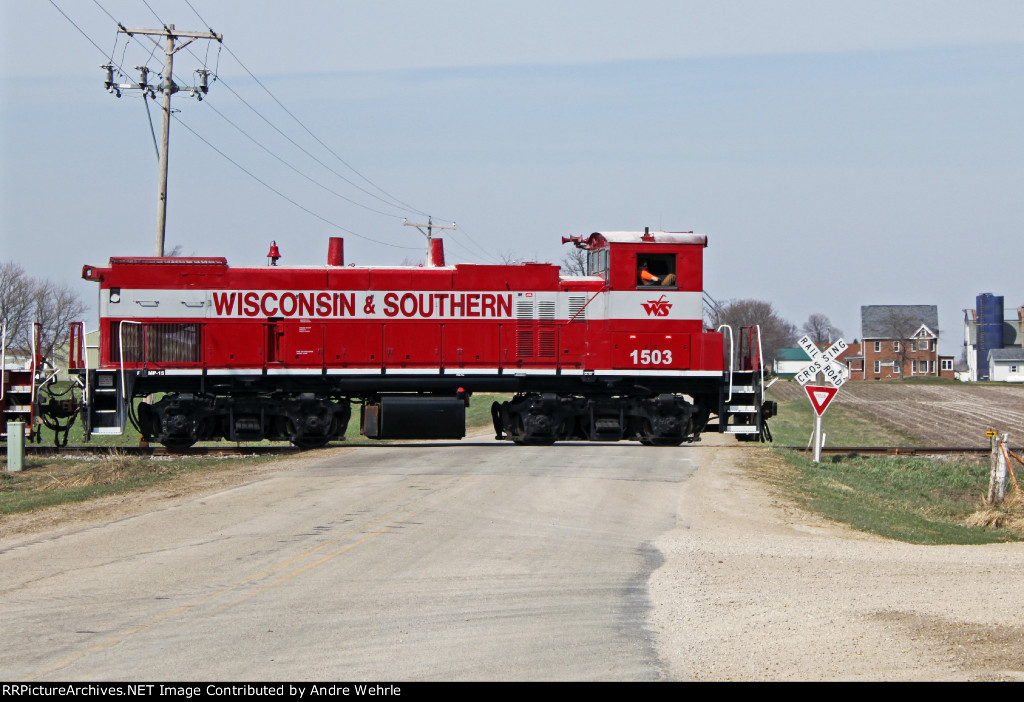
404,205
169,31
293,168
82,31
282,195
158,16
168,79
300,147
469,237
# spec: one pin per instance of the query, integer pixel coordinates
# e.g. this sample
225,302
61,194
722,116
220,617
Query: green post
15,446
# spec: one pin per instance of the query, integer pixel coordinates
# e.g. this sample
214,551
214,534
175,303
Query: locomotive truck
285,352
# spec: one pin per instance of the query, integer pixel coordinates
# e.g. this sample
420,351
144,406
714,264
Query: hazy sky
837,154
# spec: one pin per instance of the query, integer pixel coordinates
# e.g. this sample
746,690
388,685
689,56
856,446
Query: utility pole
430,229
168,88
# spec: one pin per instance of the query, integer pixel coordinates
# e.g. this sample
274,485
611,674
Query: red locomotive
282,352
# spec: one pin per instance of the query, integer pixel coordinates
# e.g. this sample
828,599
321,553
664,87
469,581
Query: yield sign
820,397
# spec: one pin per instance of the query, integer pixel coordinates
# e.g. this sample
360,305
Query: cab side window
655,270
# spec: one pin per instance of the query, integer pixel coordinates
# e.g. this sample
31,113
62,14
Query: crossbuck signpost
822,362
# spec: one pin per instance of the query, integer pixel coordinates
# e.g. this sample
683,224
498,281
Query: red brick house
898,341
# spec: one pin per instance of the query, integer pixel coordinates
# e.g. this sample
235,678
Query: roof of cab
650,238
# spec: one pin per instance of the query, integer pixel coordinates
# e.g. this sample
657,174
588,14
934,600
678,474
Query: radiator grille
164,343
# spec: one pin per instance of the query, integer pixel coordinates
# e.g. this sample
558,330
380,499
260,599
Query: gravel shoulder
753,588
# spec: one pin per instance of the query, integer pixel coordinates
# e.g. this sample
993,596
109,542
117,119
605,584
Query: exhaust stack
336,252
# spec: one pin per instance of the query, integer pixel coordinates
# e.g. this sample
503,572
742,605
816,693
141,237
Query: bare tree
820,329
574,262
776,333
15,304
25,300
56,306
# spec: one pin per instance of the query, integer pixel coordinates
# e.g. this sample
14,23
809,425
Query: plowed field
933,415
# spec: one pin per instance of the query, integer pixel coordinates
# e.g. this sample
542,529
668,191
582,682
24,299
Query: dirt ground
754,588
935,415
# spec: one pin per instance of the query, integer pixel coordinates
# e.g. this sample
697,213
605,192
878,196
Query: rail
895,450
288,450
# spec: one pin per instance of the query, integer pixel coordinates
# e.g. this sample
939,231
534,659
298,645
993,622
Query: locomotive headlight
115,295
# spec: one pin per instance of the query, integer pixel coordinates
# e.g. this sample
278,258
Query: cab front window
597,262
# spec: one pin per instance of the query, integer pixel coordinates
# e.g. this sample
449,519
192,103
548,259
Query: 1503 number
651,357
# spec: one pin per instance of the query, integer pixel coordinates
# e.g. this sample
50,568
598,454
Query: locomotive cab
645,261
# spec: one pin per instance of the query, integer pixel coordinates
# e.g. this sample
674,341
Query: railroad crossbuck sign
823,362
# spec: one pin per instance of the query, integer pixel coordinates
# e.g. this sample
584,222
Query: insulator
143,77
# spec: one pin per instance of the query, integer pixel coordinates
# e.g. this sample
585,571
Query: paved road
468,561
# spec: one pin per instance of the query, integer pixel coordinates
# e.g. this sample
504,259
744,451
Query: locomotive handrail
86,396
76,330
580,310
760,358
36,331
726,326
120,349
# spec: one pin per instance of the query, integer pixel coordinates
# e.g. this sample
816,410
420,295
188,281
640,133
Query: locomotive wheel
317,438
178,443
311,442
543,441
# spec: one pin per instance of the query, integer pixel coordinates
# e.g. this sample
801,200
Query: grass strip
49,482
843,426
918,500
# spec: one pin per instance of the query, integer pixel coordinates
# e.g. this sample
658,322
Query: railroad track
901,450
68,451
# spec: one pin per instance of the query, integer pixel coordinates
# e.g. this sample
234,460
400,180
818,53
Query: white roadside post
15,446
999,468
822,362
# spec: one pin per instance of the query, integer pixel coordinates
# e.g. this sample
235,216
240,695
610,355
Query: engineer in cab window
645,277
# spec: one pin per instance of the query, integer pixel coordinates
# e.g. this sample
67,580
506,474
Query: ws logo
657,308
